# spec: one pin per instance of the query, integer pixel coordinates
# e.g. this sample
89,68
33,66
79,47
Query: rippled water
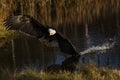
32,53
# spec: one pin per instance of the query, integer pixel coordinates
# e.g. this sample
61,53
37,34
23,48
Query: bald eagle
31,26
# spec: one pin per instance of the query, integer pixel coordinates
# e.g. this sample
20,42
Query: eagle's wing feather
31,26
25,24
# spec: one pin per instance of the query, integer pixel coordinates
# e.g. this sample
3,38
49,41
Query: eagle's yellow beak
51,33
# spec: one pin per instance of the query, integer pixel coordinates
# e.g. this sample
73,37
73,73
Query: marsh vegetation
98,19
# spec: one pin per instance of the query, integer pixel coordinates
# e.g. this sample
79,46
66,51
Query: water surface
31,53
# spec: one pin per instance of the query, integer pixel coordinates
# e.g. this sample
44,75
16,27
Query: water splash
94,49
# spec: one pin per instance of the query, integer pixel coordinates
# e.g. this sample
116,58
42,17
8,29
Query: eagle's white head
51,32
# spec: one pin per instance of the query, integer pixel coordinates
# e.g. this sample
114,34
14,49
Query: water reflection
32,53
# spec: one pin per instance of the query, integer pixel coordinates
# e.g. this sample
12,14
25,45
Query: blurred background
86,23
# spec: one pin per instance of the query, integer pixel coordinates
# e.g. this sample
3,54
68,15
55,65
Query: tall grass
85,73
5,35
56,12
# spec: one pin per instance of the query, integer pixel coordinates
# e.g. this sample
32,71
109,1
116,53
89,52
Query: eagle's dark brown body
29,25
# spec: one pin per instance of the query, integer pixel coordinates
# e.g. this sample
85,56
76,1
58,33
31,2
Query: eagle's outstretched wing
29,25
26,24
65,44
